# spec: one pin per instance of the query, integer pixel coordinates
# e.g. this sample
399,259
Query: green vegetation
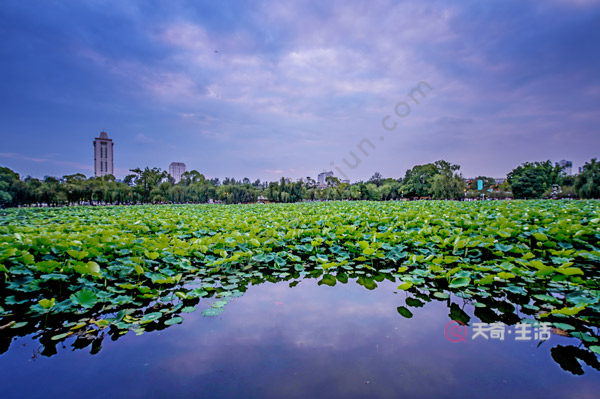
587,183
80,272
533,180
438,180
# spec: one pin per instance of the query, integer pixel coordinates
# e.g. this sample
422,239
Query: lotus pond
338,299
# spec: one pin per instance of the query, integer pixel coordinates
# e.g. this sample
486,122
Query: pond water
309,341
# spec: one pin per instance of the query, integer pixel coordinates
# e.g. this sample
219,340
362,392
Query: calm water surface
309,341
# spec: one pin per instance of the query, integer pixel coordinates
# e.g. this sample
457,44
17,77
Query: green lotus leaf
47,303
458,282
212,311
91,267
79,255
148,317
174,320
328,280
85,297
570,271
219,304
404,312
595,349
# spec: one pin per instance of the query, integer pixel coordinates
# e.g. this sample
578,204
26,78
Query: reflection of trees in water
91,327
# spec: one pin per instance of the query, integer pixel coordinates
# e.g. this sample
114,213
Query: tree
376,179
332,181
447,183
147,180
8,178
191,177
531,180
5,195
447,187
390,189
587,183
75,187
419,181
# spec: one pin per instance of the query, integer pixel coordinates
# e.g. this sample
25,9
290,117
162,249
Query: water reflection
211,293
308,341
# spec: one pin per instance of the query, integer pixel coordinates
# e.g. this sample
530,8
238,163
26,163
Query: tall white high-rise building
103,155
322,178
176,169
567,166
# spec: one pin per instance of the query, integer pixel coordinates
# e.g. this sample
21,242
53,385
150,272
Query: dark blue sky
267,89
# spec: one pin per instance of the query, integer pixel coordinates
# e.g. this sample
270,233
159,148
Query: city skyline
103,162
271,91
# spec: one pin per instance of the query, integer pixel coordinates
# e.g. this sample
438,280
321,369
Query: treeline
438,180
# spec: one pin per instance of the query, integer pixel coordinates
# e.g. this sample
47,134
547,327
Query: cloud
23,157
298,84
577,3
326,61
141,138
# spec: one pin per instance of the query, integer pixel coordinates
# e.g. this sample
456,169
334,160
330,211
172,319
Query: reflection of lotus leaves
63,277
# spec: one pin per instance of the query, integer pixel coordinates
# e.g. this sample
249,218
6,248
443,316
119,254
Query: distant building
176,169
345,181
322,178
103,155
566,166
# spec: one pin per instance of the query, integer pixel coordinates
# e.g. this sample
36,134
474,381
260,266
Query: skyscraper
176,169
567,166
103,155
322,178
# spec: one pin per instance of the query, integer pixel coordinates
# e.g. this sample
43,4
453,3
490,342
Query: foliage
417,181
531,180
7,179
76,272
439,179
587,183
148,181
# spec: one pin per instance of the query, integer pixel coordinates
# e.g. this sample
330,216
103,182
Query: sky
265,89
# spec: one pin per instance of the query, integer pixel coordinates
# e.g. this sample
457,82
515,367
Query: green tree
8,179
146,180
419,181
531,180
332,181
587,183
376,179
447,187
75,187
191,177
